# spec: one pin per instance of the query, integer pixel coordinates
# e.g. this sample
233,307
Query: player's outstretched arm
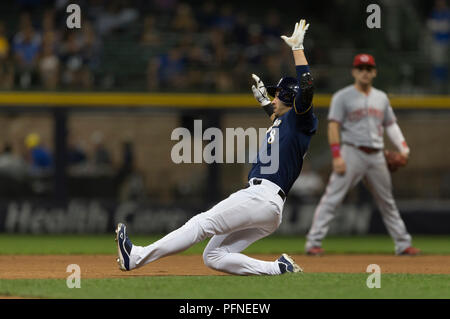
260,94
303,100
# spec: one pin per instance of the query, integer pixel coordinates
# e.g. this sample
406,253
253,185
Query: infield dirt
105,266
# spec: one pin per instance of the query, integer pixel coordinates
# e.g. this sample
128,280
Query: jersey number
271,136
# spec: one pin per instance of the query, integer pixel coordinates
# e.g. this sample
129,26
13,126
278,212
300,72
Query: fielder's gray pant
373,170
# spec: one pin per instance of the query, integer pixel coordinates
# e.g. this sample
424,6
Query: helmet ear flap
286,96
287,88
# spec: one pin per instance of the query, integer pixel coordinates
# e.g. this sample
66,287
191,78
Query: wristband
405,147
268,108
335,150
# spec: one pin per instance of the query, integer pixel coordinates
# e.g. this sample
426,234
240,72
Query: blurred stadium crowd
201,46
27,170
173,45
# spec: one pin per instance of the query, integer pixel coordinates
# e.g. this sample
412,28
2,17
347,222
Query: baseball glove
394,160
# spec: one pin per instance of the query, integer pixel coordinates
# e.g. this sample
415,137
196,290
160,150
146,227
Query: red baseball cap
364,59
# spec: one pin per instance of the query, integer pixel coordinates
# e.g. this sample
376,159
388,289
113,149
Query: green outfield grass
104,244
289,286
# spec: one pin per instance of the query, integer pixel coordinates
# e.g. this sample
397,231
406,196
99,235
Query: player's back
293,136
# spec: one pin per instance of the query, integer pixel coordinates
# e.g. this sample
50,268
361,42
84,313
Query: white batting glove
295,41
260,92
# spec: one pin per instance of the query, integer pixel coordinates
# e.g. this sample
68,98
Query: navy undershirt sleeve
299,108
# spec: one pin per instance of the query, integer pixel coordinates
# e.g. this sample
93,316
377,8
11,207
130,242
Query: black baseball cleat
124,246
287,264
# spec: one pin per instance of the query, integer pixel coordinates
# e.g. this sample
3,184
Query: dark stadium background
103,100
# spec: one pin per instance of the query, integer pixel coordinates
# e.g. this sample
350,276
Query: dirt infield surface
101,266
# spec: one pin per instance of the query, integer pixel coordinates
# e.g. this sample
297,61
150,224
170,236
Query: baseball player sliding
253,212
358,115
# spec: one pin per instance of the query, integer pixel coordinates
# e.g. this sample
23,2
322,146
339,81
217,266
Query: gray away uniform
362,119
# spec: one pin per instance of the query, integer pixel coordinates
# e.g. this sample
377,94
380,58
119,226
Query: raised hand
260,92
295,41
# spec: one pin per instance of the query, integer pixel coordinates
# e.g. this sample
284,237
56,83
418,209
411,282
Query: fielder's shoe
287,264
124,246
410,251
315,251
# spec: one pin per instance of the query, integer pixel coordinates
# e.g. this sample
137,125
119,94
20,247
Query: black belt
256,181
365,149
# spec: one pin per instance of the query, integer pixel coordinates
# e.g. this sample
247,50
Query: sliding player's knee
212,257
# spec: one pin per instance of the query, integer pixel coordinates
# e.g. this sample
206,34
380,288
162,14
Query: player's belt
365,149
256,181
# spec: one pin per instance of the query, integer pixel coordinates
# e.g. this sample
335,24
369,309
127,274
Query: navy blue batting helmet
288,88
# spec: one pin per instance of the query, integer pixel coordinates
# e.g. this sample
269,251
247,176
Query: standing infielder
253,212
358,115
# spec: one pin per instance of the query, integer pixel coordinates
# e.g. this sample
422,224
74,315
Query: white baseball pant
234,223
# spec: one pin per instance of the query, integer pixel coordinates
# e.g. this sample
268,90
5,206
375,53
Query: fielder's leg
378,181
337,188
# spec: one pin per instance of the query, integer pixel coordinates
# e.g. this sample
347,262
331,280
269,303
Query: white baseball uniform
236,222
250,213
